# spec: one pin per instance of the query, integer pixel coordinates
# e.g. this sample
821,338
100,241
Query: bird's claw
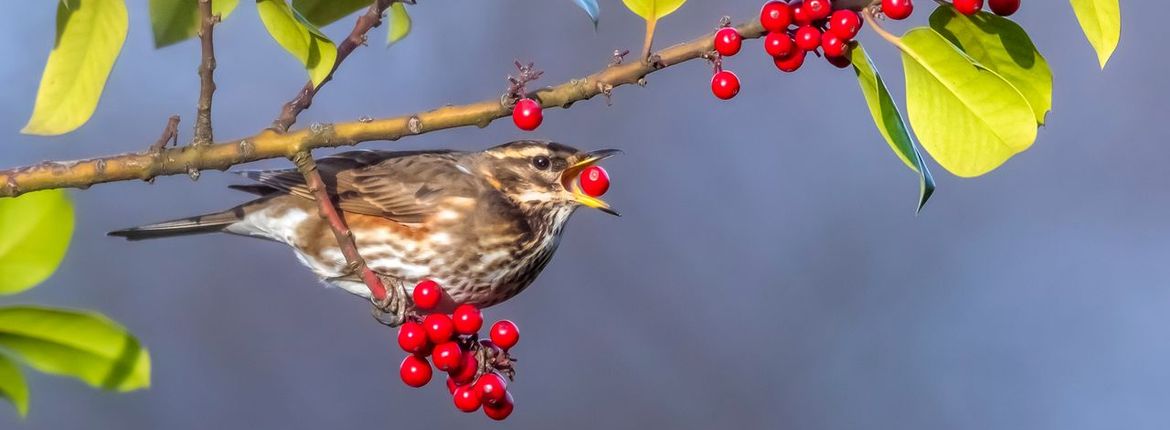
394,309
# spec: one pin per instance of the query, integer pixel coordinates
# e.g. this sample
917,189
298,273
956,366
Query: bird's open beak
570,181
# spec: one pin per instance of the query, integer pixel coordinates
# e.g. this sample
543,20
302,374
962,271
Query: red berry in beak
594,181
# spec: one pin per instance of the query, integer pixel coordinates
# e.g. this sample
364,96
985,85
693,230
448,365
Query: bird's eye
540,162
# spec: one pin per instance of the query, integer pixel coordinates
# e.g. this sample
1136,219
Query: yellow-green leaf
83,345
12,385
652,10
299,37
1101,21
967,117
399,23
889,120
89,37
325,12
174,21
1001,45
34,234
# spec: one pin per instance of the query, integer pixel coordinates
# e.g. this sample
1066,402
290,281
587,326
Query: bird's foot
393,310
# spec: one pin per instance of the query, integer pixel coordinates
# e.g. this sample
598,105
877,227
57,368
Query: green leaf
1002,46
399,23
965,115
84,345
1101,21
12,385
34,234
174,21
325,12
299,37
653,10
89,36
889,120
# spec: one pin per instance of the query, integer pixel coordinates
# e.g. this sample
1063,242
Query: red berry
776,16
724,84
778,44
465,373
840,62
467,398
833,45
791,62
845,24
801,15
447,356
527,114
427,294
504,334
968,7
412,337
808,38
492,388
818,9
451,385
897,9
1004,7
439,328
467,319
499,411
595,181
415,371
728,41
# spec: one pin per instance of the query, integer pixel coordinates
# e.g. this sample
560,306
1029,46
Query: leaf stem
650,24
871,19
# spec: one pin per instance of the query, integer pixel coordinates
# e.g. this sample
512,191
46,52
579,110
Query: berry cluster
794,30
452,342
999,7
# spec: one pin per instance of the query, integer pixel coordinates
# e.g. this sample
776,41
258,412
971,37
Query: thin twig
328,211
207,21
170,134
271,144
304,98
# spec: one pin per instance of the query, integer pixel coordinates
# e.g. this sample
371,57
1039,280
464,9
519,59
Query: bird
481,224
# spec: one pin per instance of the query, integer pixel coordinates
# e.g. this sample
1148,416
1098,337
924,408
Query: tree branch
272,144
372,18
328,211
207,21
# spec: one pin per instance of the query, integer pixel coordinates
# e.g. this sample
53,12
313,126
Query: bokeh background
769,271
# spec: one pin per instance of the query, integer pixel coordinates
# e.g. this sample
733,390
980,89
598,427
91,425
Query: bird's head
538,173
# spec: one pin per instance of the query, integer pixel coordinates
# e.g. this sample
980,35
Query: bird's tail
209,223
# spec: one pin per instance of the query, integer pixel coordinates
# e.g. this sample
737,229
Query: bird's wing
403,186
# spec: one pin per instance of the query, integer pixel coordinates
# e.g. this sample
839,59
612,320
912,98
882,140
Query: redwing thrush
481,224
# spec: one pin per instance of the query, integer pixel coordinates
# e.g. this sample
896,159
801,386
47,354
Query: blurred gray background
769,271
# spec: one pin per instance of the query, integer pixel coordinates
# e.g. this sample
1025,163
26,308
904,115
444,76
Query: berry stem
308,168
